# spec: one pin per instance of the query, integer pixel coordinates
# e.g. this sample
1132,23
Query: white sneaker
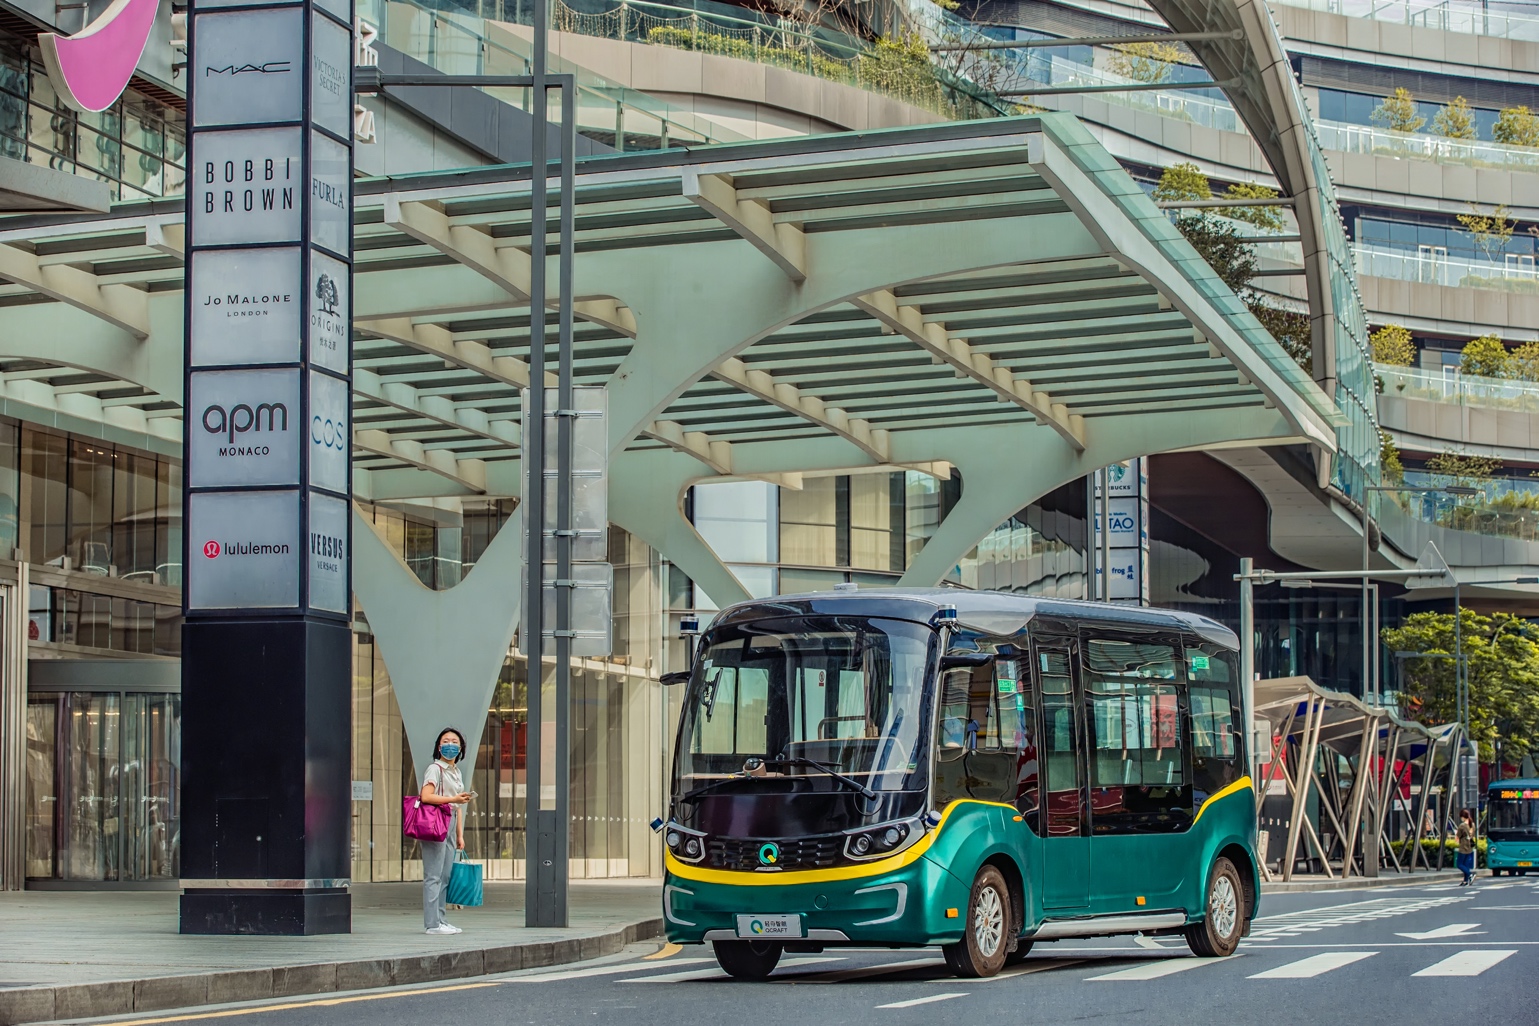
453,928
442,930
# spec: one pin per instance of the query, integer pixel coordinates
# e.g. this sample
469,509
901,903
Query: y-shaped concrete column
444,649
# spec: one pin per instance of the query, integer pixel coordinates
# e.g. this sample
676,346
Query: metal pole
564,424
1378,684
1248,660
538,837
1106,569
1367,650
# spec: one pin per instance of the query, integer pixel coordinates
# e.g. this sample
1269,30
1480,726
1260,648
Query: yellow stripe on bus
1243,784
784,878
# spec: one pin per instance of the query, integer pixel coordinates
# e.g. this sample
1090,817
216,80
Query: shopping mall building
859,320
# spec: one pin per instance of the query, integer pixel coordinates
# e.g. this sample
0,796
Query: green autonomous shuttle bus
1512,827
974,770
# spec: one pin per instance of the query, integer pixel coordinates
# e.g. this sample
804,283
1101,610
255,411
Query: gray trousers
437,862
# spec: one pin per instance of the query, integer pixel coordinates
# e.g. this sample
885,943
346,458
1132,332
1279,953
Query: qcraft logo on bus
769,855
244,418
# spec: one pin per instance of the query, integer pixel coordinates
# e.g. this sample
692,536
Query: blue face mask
449,751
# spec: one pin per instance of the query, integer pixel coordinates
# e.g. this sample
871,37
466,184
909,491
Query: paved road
1392,956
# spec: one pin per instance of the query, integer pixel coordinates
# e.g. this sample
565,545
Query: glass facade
621,725
137,146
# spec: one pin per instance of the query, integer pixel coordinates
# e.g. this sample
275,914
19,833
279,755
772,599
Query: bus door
1065,813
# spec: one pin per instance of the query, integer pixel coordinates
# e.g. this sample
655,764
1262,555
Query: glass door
89,798
42,787
151,775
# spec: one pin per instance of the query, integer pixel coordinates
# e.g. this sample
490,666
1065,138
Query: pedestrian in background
1466,860
443,785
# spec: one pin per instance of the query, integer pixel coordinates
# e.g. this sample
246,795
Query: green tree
1502,667
1462,470
1392,345
1454,120
1492,232
1516,126
1390,467
1523,363
1262,217
1182,182
1233,259
1397,112
1486,356
1145,62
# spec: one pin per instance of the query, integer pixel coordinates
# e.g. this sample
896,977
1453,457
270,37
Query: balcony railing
1431,266
1456,388
1336,135
1449,17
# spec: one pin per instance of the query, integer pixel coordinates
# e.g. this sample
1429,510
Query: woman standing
443,785
1466,860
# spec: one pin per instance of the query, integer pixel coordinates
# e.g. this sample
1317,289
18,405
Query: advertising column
266,649
1129,519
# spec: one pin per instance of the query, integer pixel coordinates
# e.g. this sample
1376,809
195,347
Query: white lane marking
1442,932
1294,924
607,970
1035,965
840,975
921,1001
1153,970
714,974
1503,908
1466,963
1314,965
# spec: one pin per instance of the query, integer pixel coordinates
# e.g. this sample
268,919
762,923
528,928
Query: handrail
1437,269
1474,18
1351,138
1453,387
462,42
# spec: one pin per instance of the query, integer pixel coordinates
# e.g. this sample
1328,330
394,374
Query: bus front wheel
747,960
1223,921
983,948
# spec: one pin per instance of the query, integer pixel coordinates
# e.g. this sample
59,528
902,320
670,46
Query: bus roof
996,612
1517,783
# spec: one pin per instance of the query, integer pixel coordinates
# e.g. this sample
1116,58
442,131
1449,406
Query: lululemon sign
269,294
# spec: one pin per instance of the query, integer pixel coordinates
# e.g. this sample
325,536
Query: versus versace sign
268,433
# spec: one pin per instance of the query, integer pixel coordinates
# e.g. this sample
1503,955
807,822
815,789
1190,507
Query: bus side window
1028,797
1137,772
1216,734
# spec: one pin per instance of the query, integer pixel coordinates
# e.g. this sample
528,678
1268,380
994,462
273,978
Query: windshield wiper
692,794
797,760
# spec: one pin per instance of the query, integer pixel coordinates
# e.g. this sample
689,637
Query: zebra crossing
826,969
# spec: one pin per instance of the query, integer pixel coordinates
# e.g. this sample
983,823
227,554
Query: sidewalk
1320,882
77,954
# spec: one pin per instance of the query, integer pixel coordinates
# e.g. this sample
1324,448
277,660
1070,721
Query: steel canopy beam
963,358
783,243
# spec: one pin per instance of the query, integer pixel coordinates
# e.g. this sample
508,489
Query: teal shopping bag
464,883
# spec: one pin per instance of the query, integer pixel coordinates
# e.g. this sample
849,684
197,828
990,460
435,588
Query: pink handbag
424,822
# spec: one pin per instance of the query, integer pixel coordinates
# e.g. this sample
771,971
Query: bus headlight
685,844
883,839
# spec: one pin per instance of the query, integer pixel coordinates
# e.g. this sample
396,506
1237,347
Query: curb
20,1005
1355,883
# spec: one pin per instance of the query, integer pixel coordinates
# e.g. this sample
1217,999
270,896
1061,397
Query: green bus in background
1512,827
974,770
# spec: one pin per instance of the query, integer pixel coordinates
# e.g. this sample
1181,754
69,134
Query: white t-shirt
446,780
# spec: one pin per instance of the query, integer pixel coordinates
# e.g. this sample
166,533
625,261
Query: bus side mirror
959,660
676,677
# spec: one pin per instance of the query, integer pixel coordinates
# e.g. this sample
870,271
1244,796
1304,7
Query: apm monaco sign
269,290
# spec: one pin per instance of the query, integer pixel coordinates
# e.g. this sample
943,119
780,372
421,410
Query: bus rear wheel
1223,921
984,946
747,960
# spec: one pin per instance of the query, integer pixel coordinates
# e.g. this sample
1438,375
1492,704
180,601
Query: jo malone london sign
269,294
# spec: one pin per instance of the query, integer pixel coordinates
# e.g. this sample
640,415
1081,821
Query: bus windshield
835,703
1512,815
